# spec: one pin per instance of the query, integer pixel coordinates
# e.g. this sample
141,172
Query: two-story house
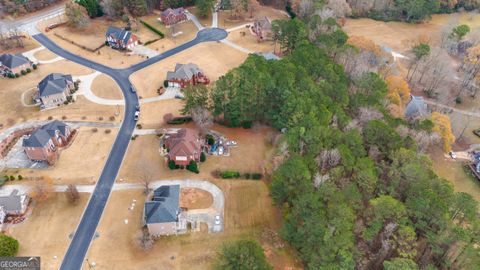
54,89
121,39
43,144
183,146
186,74
170,16
161,214
12,63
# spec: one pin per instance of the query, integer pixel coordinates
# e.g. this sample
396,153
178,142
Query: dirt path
468,113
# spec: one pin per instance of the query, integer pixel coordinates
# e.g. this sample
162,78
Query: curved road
86,228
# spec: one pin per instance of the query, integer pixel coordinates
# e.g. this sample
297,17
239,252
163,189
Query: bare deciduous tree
328,159
72,194
145,173
143,240
203,118
42,189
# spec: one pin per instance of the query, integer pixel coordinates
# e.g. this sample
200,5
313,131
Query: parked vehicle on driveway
220,150
137,108
231,143
217,220
133,89
136,116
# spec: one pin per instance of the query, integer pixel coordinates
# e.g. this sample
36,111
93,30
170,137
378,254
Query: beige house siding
58,99
158,229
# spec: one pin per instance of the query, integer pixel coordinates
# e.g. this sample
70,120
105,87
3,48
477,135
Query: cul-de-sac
239,134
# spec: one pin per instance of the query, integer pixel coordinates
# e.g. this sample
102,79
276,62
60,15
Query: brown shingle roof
184,143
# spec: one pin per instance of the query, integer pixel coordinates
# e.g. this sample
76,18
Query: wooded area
355,191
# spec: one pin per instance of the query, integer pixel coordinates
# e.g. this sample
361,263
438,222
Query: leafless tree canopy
203,118
72,194
145,173
328,159
143,240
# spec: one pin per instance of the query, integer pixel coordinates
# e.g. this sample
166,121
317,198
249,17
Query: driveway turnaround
85,231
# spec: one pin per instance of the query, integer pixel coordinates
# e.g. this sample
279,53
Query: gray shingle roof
416,106
119,34
41,136
164,206
12,60
183,71
11,202
54,83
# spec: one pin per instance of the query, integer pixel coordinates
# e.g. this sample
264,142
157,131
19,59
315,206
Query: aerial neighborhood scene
239,134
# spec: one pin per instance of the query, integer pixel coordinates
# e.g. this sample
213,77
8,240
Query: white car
136,115
231,143
217,220
220,150
453,155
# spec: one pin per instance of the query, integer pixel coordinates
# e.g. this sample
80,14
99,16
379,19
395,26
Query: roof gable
54,83
12,60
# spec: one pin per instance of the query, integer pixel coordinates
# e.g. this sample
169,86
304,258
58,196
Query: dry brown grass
105,87
82,162
29,44
13,111
248,212
215,59
151,115
249,41
44,55
46,232
401,36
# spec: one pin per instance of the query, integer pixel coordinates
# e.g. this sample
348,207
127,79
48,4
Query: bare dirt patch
46,231
215,59
44,55
82,162
105,87
193,198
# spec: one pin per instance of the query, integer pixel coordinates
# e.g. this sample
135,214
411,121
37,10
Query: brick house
120,39
183,146
161,214
262,28
170,16
186,74
43,143
14,204
12,63
54,89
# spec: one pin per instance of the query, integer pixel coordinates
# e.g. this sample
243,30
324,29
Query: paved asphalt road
86,229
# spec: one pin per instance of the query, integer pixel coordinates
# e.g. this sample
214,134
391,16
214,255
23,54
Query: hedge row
235,174
180,120
155,30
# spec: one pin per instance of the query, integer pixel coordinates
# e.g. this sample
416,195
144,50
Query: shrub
155,30
11,75
64,117
458,100
151,41
17,75
210,139
203,157
34,66
100,118
180,120
50,118
257,176
229,174
3,179
20,177
23,72
8,246
165,83
247,124
65,102
242,254
12,177
246,176
192,166
29,70
112,118
171,165
94,130
139,126
107,131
